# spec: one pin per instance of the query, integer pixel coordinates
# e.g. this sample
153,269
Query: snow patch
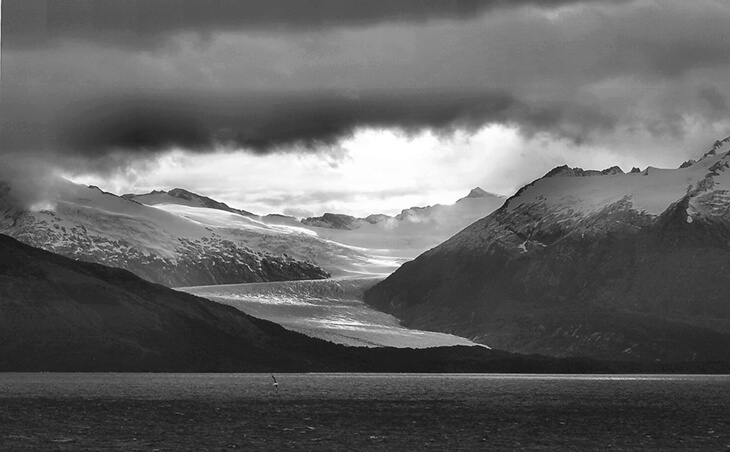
523,246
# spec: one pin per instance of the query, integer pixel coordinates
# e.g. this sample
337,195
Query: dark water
363,412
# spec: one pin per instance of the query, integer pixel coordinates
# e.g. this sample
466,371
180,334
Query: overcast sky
357,107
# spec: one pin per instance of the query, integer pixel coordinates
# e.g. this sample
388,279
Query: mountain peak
566,171
184,194
477,192
711,153
334,221
194,199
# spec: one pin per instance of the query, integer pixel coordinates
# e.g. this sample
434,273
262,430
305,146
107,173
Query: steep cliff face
617,266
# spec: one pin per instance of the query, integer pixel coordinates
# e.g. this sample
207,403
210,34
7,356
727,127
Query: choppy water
359,386
363,412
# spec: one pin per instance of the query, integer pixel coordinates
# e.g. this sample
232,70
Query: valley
578,264
347,225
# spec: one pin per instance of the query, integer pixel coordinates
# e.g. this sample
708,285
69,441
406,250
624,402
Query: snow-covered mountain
171,244
376,245
598,263
183,197
180,238
275,234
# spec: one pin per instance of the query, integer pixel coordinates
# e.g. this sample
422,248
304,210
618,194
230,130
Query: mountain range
579,264
428,214
414,230
585,263
179,238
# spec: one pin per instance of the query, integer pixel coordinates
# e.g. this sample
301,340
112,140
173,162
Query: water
363,412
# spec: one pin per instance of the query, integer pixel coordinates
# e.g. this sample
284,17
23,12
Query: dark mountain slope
57,314
571,266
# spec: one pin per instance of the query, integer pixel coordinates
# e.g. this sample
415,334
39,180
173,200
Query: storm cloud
90,79
201,122
147,23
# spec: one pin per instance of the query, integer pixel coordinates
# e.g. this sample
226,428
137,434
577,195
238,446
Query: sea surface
48,411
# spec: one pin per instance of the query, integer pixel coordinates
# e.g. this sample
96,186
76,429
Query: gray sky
309,106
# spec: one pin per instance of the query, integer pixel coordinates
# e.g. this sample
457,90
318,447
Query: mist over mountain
414,230
437,215
585,263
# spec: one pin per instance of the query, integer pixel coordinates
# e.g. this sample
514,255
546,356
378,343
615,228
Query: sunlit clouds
279,106
374,171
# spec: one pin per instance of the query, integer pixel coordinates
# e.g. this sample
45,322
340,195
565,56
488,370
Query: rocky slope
601,264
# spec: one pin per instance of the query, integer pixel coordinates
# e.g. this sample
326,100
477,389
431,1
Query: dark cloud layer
89,80
145,23
203,122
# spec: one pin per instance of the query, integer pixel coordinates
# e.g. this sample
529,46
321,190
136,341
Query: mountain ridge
610,256
158,196
416,213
